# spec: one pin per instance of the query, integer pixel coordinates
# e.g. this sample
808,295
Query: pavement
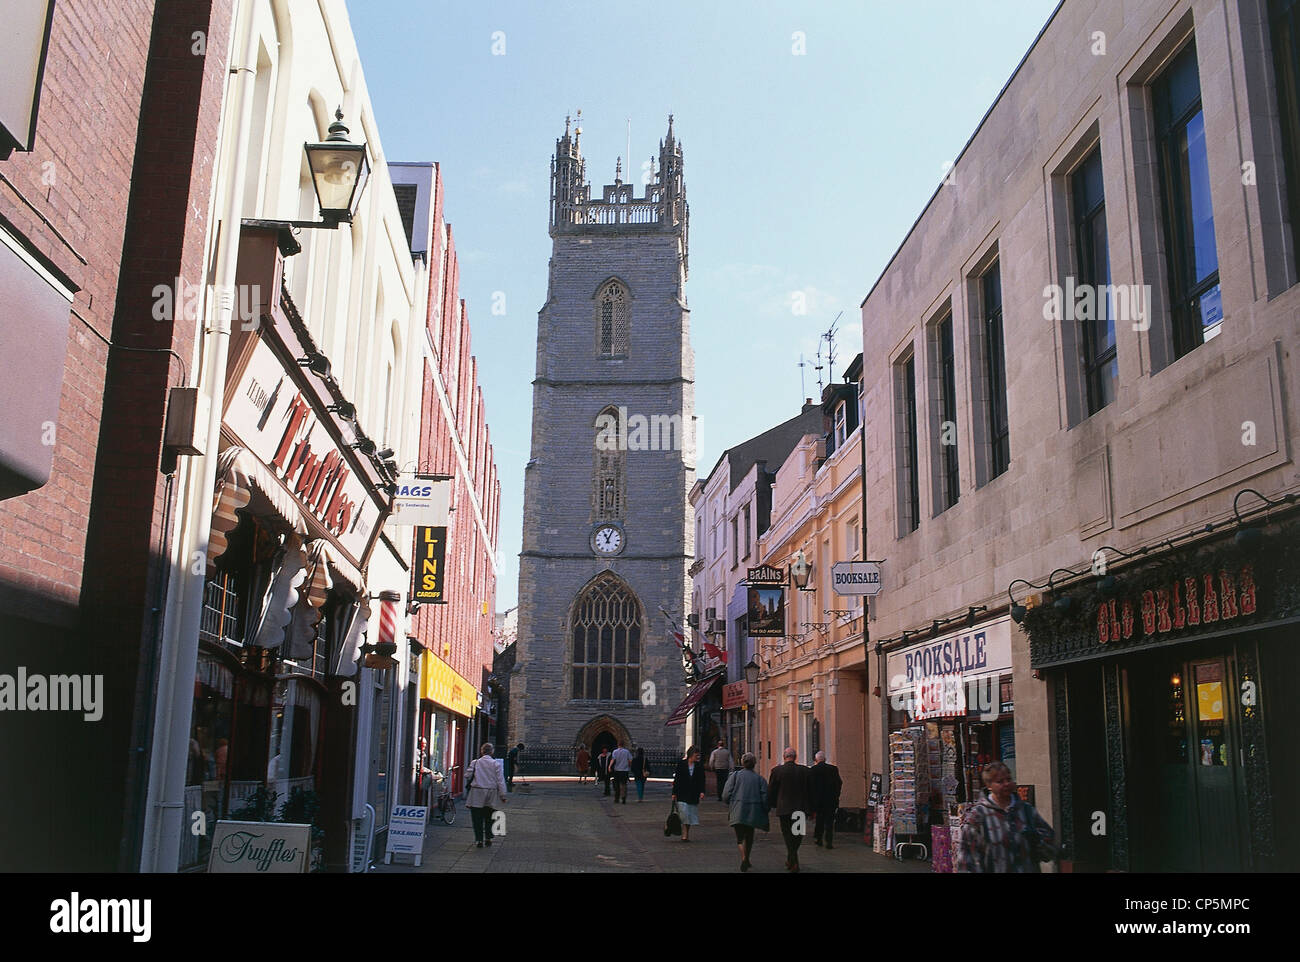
556,825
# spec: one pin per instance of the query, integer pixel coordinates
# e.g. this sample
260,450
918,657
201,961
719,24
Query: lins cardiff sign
855,578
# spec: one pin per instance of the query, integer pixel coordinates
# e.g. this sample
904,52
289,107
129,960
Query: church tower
608,532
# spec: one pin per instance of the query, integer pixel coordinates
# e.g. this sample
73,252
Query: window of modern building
606,652
1096,332
945,430
995,372
1284,21
612,321
1192,258
909,488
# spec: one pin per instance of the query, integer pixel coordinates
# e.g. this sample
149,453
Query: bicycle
444,805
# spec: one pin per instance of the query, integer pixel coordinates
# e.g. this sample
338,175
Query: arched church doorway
604,731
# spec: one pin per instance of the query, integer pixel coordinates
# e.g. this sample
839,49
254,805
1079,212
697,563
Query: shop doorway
1187,809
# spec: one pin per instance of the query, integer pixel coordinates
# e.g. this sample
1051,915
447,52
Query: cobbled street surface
557,825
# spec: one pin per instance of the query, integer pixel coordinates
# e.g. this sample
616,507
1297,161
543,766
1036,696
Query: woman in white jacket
486,785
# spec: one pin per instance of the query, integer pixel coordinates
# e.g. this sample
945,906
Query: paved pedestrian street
557,825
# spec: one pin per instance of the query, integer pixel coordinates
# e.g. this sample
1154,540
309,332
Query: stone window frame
613,333
907,442
634,626
608,475
945,460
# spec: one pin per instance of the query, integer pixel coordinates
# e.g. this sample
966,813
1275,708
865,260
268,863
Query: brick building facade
81,555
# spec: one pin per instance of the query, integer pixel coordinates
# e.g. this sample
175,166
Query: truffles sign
266,848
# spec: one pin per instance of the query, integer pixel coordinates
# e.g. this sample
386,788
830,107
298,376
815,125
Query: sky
813,135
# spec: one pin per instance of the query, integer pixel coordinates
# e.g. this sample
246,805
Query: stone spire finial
566,125
618,171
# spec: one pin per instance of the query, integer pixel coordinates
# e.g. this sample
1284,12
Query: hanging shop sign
421,500
278,423
765,575
855,578
430,565
265,848
735,695
766,612
1204,598
805,703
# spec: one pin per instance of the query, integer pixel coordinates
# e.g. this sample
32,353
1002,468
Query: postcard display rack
909,791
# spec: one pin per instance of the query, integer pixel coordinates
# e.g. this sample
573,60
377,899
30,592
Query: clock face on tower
608,540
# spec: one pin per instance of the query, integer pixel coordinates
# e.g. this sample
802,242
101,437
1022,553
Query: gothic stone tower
608,532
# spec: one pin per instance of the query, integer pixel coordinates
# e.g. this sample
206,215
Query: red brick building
454,441
103,197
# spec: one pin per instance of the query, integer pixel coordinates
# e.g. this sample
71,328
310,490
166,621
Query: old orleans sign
278,424
1196,600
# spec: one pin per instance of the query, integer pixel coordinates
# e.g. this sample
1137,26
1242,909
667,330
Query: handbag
674,824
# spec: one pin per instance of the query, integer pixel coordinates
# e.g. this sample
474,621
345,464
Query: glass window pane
606,645
577,683
1204,253
606,682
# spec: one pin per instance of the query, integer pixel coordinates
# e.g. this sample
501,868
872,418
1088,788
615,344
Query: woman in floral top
1001,833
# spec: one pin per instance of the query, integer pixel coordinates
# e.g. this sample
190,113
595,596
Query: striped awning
242,480
286,586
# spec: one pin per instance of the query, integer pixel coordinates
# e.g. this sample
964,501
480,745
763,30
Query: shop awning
678,717
242,480
352,641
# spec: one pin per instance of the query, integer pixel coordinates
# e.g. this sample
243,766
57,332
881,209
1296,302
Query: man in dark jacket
790,794
826,785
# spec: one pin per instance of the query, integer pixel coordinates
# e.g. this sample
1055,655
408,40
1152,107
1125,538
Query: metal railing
553,760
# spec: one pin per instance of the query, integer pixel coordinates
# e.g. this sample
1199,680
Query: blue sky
804,170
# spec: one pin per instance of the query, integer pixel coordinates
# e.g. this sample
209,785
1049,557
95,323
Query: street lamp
751,672
339,171
800,571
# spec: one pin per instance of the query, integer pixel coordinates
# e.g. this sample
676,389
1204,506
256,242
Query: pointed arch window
610,470
612,323
606,662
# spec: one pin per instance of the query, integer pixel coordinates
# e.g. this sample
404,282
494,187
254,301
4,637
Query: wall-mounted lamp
800,571
364,445
751,672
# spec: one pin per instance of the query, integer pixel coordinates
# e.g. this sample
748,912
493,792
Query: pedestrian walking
583,762
688,790
602,768
640,772
746,796
826,785
720,762
485,785
1001,832
789,792
620,764
512,765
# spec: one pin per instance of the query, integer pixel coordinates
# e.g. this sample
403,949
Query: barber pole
387,634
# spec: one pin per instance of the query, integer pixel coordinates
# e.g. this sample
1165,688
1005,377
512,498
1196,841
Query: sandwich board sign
406,824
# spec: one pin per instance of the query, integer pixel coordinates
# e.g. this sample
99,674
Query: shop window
1192,258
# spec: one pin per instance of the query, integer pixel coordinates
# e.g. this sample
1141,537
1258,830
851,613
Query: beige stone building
812,689
1079,369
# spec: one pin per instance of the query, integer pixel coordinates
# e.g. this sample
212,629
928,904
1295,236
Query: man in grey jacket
746,796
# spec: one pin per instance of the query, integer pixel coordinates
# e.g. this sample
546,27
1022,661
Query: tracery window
612,321
606,662
610,470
